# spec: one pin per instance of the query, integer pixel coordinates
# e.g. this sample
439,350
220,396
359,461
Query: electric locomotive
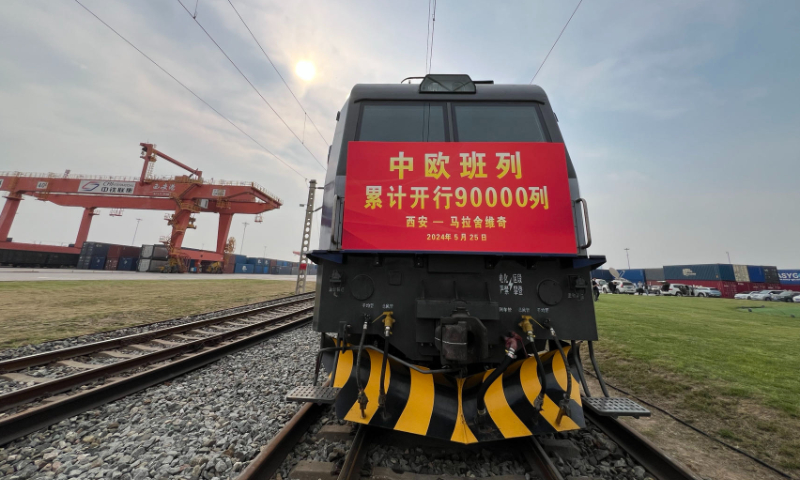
453,287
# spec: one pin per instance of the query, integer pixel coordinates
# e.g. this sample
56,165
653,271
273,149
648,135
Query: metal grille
308,393
616,406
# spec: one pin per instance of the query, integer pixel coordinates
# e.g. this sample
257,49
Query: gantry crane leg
224,229
86,222
7,217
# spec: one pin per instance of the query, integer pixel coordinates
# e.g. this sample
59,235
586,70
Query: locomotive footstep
615,407
309,393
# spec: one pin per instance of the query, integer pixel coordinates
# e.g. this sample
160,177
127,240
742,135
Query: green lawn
727,369
34,312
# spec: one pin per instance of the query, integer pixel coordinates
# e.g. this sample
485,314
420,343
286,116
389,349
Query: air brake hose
537,404
490,380
382,396
597,369
513,342
362,397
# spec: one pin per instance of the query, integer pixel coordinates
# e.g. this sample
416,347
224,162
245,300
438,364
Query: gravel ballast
206,424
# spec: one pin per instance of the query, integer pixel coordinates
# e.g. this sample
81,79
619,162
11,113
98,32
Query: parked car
784,296
743,295
675,290
600,284
764,295
707,292
622,286
796,298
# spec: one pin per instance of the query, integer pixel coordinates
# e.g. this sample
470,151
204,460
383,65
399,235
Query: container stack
153,258
790,279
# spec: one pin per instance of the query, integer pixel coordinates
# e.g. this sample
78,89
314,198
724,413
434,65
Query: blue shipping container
252,260
711,272
265,269
258,268
243,268
635,275
97,263
602,274
789,277
126,263
756,274
240,258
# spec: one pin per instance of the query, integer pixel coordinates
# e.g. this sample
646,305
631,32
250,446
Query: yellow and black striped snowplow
444,407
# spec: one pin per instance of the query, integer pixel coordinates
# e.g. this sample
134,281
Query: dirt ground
35,312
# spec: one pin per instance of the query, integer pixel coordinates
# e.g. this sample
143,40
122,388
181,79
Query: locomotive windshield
403,122
497,123
472,122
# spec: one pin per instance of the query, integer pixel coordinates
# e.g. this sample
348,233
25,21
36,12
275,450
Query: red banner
464,197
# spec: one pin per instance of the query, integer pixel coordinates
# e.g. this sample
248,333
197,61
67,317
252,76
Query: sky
682,118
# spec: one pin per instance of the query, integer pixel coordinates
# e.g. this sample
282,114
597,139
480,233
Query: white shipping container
144,264
147,251
740,273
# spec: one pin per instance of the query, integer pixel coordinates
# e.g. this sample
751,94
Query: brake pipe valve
388,322
527,326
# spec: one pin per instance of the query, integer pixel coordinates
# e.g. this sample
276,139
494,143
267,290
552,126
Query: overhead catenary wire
252,85
433,35
279,73
428,36
554,43
191,91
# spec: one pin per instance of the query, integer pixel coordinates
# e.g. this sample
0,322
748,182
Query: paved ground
8,274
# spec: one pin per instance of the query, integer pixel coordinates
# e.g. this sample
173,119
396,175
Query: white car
796,298
764,295
707,292
676,290
623,286
743,295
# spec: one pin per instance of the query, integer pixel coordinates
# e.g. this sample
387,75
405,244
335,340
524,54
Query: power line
428,36
433,34
554,43
251,84
279,73
190,90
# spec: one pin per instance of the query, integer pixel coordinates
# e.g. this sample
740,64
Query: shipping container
146,252
727,289
633,275
252,260
789,278
160,252
273,262
228,267
258,268
744,287
771,275
244,268
654,274
97,263
240,258
740,273
713,271
602,274
755,273
126,263
24,258
114,251
157,265
757,287
111,263
144,264
95,249
130,251
774,286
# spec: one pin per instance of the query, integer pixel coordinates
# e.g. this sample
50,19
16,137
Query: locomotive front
453,279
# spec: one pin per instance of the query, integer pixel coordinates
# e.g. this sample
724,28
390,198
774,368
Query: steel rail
24,395
354,460
538,460
34,419
269,461
44,358
640,448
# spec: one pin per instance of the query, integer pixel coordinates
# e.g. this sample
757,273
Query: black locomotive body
474,331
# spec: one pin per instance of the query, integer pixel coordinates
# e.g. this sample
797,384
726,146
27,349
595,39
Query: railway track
111,369
529,451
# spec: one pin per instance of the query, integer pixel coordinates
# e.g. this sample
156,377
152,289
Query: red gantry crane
185,195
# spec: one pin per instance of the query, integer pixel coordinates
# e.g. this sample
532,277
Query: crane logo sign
119,188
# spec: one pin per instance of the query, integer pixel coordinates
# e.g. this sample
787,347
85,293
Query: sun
305,70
